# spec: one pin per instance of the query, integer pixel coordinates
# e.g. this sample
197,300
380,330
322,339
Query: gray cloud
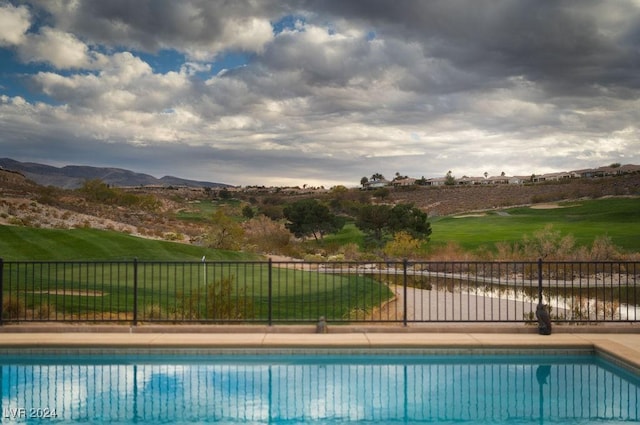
196,27
354,88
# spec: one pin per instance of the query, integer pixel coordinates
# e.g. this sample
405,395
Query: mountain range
73,176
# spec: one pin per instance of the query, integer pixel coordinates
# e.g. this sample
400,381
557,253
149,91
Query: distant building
408,181
376,184
611,170
439,181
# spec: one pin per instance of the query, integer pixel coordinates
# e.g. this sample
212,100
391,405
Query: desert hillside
23,202
447,200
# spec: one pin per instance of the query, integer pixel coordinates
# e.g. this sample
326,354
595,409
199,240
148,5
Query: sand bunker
550,206
70,292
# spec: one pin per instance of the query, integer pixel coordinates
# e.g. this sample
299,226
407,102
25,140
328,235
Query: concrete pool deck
623,347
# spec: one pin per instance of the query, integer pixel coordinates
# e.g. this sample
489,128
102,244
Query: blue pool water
326,389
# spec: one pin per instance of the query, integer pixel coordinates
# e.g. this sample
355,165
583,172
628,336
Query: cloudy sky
284,92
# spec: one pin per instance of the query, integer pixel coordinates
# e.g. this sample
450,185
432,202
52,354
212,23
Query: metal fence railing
271,292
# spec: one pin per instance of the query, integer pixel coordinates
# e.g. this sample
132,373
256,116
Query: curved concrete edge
622,349
625,344
430,328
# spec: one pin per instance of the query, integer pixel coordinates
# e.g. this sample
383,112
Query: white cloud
250,34
14,23
60,49
350,90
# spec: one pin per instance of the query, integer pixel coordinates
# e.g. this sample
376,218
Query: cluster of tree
395,230
98,191
380,223
310,217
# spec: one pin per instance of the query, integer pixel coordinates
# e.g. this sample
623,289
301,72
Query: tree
403,245
247,211
364,181
377,177
339,190
380,222
224,193
410,219
381,193
267,236
310,217
373,220
399,176
449,179
98,191
224,233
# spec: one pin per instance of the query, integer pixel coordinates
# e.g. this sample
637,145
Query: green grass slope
24,243
617,218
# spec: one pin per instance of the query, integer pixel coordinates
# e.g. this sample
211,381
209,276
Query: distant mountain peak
73,176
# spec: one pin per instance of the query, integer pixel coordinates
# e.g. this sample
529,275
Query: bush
351,251
402,246
551,245
13,308
153,312
548,243
44,312
452,251
603,249
221,303
267,236
218,301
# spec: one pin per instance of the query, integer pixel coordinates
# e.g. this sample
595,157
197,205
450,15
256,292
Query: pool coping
620,348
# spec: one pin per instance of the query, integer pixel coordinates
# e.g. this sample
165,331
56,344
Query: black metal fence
269,292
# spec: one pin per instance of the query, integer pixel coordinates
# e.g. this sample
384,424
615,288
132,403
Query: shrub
267,235
15,221
222,304
44,312
13,308
452,251
351,251
548,243
153,312
403,245
218,301
603,249
314,258
224,233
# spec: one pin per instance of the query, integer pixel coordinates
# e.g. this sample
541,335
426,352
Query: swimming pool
319,389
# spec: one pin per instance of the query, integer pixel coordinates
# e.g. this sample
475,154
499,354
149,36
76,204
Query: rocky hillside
24,202
446,200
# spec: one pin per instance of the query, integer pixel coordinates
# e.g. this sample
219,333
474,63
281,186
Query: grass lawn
177,291
617,218
172,281
25,243
202,211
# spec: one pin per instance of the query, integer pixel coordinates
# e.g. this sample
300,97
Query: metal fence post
540,281
404,291
1,289
135,292
270,293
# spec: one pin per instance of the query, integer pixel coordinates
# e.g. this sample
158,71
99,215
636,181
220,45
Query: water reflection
304,389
